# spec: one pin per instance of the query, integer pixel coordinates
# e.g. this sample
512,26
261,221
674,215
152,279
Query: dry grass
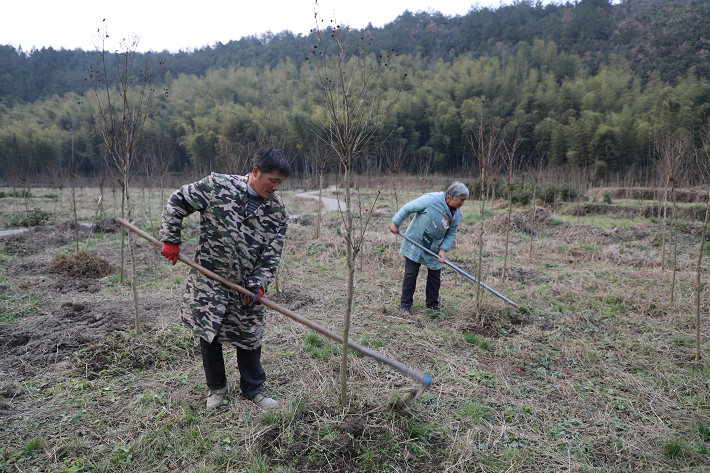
594,373
80,265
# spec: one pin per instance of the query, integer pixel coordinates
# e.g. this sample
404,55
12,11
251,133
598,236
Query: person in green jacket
436,220
242,228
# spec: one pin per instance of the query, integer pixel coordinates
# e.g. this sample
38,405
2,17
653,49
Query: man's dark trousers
252,375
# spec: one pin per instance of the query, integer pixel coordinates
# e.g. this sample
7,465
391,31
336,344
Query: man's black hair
270,159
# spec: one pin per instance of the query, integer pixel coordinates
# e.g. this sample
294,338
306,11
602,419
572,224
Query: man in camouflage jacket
242,229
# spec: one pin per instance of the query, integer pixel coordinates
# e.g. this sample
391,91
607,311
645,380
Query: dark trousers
409,284
252,375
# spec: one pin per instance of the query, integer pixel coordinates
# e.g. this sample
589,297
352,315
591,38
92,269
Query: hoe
459,270
424,379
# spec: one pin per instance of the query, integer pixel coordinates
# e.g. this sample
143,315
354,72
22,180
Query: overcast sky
176,25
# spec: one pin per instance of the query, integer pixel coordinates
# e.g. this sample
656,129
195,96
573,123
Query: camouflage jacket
245,250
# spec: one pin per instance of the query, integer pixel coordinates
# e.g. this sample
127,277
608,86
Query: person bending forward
242,229
436,220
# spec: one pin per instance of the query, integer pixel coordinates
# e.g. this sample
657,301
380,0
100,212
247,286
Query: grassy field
595,372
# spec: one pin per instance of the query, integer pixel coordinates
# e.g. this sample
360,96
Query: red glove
251,300
171,251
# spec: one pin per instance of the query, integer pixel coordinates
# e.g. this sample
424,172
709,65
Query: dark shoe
434,308
405,310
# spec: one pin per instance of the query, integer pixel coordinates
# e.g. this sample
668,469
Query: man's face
265,183
456,203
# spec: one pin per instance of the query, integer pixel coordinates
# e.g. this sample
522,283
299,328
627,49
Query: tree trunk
351,284
663,245
675,241
27,215
76,219
131,252
480,247
697,282
320,204
507,233
123,232
532,220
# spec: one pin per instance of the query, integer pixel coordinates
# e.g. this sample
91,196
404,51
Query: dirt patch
46,339
291,298
72,285
519,275
310,448
118,354
107,225
82,264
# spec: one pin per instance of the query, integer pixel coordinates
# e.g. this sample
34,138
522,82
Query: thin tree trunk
76,219
131,252
27,215
532,224
480,247
507,233
123,232
351,284
663,245
320,205
697,282
675,241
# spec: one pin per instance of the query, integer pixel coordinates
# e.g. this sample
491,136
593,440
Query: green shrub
548,192
607,198
522,195
567,193
37,217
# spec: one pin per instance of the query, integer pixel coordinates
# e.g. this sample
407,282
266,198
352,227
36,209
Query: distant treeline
666,37
588,84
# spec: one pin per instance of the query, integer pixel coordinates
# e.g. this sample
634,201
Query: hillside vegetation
589,84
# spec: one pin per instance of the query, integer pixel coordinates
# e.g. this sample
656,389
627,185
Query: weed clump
80,265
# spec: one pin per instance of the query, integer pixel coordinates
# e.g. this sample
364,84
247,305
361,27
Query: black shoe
434,308
405,310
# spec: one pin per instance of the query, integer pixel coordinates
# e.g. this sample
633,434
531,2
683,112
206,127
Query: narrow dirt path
328,203
22,230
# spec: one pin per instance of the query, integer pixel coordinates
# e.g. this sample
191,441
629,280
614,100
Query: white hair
456,190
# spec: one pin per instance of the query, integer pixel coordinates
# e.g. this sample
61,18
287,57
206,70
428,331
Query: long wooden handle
452,265
423,378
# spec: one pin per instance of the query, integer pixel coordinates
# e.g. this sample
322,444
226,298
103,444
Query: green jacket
245,250
433,226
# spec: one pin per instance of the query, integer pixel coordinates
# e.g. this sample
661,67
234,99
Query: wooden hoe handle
422,378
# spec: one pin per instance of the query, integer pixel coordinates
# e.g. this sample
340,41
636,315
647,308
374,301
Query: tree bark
351,287
697,282
131,252
663,245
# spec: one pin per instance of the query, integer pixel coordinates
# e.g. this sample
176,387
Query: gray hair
456,190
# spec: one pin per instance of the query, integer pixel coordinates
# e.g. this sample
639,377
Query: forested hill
664,36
